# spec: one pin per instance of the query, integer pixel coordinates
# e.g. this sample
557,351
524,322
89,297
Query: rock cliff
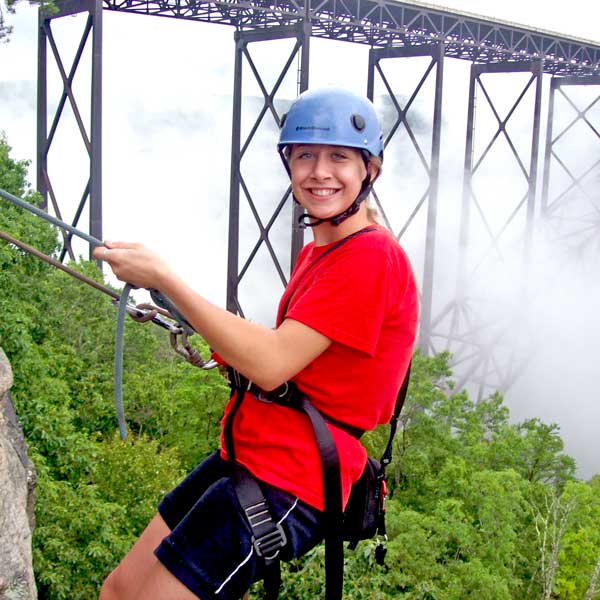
17,496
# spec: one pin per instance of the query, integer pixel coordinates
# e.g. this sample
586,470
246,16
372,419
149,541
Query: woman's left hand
133,263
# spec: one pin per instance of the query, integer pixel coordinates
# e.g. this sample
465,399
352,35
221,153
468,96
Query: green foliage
78,536
464,487
95,493
479,507
580,548
5,29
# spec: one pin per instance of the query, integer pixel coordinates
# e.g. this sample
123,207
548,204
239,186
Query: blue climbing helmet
334,117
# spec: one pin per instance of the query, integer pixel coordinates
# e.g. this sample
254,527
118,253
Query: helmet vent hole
358,122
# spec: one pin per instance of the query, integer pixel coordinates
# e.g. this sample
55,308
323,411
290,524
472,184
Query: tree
551,521
8,7
578,560
95,492
593,589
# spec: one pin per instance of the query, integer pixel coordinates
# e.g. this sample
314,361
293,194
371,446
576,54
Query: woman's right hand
133,263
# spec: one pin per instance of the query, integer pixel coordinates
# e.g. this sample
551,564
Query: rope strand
165,305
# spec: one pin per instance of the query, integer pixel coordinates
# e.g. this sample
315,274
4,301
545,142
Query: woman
345,333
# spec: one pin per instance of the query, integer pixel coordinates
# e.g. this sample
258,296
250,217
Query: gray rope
47,217
119,335
157,296
160,299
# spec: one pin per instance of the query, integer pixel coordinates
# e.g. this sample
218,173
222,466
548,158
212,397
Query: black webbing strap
322,256
386,459
332,488
239,384
268,536
289,395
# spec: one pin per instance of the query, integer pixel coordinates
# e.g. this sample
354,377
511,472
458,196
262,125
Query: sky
166,153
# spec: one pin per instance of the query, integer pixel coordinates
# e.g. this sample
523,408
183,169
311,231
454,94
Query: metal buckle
261,396
285,391
269,545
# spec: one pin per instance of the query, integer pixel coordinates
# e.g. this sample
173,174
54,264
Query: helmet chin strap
306,220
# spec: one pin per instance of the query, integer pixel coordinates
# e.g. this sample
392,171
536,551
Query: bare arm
266,356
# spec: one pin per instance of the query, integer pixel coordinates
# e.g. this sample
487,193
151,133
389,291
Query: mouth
323,192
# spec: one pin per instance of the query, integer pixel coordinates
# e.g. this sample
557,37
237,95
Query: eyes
337,155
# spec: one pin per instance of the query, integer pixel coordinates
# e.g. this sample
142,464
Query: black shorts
209,548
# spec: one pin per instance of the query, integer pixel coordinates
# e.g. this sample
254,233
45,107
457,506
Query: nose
321,166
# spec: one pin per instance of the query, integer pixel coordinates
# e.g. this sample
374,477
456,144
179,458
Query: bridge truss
490,346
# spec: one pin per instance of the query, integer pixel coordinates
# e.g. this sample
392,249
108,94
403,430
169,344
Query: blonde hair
372,211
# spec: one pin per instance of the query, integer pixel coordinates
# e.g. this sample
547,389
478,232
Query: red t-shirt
363,297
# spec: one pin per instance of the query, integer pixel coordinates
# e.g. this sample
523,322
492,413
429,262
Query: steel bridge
489,347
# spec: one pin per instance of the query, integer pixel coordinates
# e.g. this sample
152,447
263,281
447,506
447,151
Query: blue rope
119,335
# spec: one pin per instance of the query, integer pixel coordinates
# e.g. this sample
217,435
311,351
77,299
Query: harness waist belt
289,395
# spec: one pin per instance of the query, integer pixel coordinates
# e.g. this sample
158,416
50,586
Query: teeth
323,192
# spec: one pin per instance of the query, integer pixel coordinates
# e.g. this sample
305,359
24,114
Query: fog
166,153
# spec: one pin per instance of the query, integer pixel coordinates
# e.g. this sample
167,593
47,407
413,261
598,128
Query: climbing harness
179,331
364,516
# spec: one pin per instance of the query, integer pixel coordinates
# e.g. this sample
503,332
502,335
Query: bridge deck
391,23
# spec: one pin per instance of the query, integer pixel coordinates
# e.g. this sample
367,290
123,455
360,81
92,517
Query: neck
326,233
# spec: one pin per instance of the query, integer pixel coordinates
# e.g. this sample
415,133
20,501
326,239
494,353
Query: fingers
99,252
132,263
103,252
122,245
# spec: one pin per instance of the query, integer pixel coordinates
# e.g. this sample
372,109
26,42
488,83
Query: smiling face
326,179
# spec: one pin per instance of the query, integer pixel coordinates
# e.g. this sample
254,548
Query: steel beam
432,166
557,84
297,231
428,268
42,112
234,183
571,210
95,216
92,191
390,24
301,32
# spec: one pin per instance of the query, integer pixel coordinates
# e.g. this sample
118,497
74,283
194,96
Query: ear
373,171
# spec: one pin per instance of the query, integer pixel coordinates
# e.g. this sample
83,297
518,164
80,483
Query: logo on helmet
311,128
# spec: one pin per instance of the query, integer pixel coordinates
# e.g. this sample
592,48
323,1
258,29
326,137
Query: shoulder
304,252
379,247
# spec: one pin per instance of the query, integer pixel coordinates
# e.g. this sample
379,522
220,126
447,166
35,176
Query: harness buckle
268,544
279,395
261,395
